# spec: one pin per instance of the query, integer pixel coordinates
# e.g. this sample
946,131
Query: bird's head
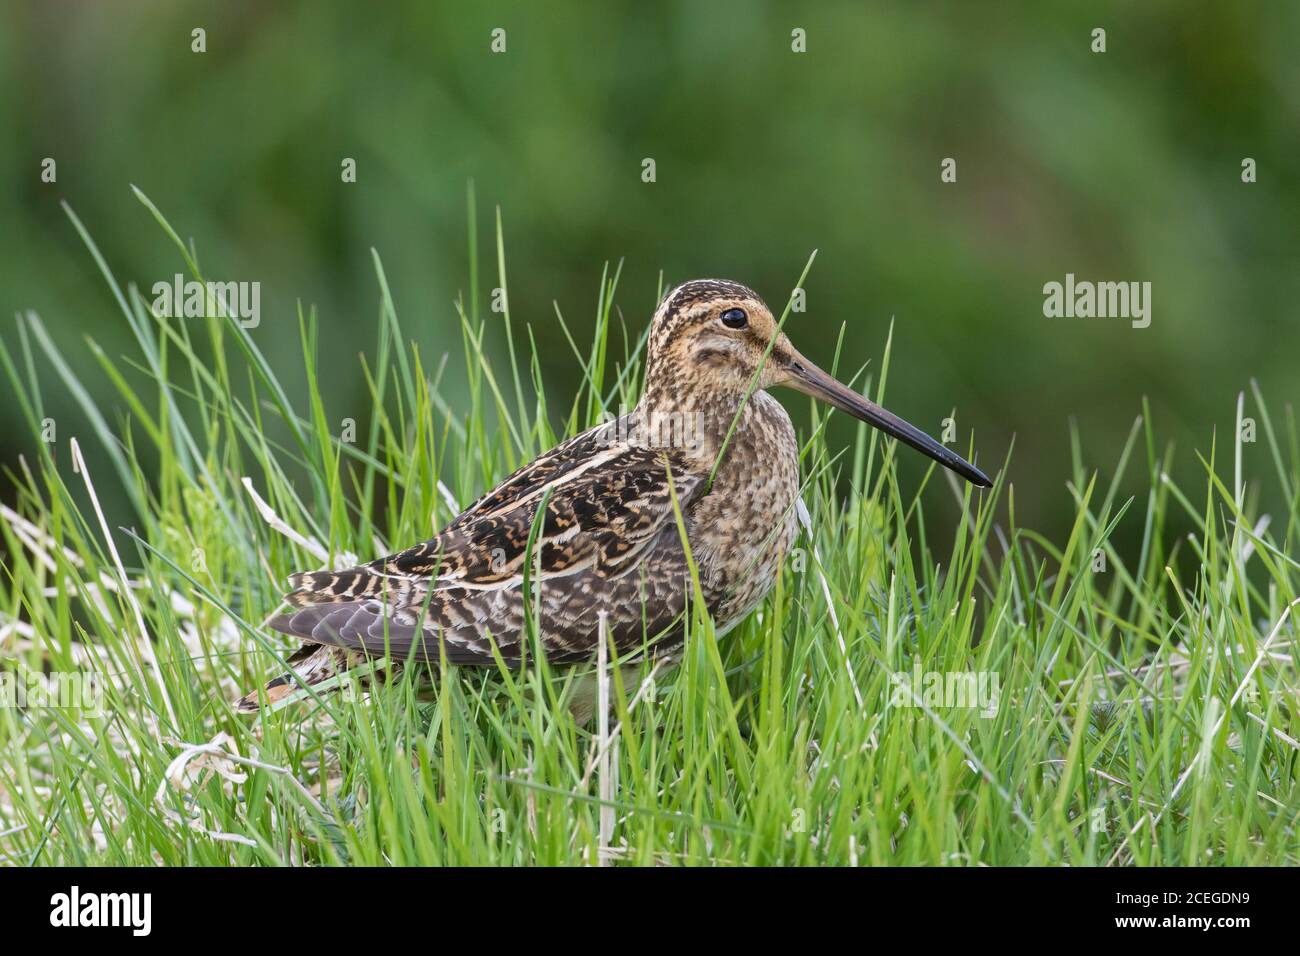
709,340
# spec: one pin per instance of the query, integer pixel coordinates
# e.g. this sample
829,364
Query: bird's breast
743,529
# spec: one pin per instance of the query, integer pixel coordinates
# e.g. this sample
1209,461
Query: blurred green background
1117,166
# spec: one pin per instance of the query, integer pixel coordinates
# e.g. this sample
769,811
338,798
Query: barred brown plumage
706,442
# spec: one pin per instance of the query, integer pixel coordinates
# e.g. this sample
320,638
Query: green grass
1146,713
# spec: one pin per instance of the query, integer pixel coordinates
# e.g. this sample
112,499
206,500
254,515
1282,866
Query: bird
595,539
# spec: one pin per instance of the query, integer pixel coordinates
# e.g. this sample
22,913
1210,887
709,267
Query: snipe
607,542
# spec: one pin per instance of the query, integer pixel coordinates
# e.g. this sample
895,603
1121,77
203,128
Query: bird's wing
604,539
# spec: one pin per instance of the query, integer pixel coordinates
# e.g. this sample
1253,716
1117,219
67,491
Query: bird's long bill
811,380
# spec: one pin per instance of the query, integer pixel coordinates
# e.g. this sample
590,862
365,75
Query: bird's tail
310,666
363,582
315,663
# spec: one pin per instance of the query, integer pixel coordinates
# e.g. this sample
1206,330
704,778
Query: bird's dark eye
734,318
